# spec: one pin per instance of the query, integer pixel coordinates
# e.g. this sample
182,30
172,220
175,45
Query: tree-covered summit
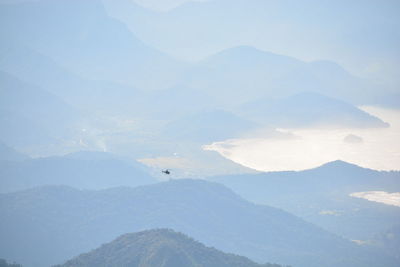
161,248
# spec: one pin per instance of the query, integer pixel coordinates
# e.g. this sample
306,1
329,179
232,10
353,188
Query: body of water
311,147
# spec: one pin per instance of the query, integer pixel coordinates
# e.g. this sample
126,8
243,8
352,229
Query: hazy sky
163,5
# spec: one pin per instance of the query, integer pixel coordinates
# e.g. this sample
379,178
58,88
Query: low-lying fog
371,148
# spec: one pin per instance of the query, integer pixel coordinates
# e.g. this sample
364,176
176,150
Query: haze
180,133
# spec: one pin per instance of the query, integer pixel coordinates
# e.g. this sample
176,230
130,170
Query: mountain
8,153
308,29
32,102
161,247
310,109
29,114
89,170
208,126
38,69
18,131
42,71
99,95
389,241
322,196
390,100
81,37
240,74
175,102
66,222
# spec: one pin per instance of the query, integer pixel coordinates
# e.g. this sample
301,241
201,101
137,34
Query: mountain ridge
322,196
83,170
158,247
308,109
92,44
209,212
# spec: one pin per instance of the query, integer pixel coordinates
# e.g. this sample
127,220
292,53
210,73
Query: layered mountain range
66,222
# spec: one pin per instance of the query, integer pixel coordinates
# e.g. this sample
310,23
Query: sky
163,5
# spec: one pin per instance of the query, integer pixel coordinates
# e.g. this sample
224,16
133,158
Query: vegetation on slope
159,248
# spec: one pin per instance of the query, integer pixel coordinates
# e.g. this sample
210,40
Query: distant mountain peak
251,54
244,48
340,164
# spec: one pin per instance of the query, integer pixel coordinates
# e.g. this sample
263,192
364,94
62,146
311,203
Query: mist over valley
207,133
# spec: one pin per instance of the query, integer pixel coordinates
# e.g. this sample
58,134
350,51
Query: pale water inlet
311,147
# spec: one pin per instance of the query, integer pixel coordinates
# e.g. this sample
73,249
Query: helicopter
167,172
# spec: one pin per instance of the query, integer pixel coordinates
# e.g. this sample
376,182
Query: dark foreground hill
48,225
159,248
